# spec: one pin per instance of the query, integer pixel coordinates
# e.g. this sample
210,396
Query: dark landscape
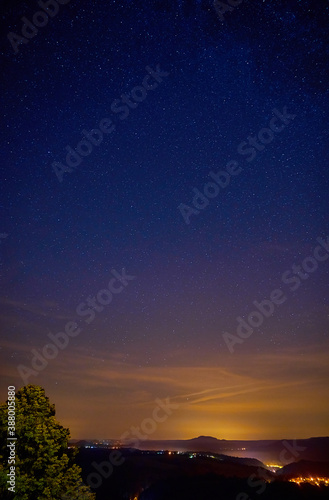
166,475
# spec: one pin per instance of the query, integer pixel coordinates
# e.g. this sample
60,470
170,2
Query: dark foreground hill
211,487
154,476
304,468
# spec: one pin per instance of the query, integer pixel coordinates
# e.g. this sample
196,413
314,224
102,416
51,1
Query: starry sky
181,91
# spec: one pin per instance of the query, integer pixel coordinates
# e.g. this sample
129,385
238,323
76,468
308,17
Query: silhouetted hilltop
210,439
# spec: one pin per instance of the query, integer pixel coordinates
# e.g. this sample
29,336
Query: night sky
183,95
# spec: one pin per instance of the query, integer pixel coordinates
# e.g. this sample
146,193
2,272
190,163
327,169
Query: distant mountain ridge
268,451
290,450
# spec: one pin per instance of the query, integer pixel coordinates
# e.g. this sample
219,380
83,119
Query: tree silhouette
45,468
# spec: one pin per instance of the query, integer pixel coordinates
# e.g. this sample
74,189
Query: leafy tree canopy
44,467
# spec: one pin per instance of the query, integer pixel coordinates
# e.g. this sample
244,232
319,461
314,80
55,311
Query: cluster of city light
317,481
274,467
